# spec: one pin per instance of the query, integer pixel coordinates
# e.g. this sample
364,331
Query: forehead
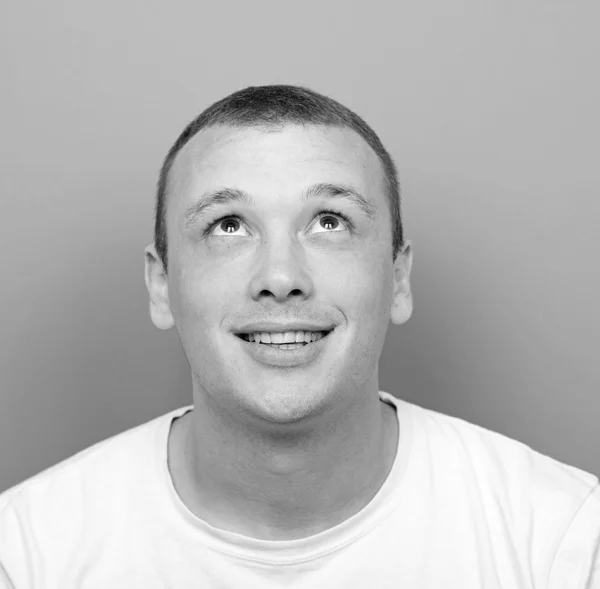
286,159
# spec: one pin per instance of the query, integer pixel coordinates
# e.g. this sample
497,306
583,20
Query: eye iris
230,225
329,222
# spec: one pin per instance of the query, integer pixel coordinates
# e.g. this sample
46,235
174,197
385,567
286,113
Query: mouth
288,340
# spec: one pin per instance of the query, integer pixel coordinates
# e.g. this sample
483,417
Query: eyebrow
228,195
340,191
210,199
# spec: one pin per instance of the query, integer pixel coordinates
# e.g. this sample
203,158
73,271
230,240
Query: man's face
282,251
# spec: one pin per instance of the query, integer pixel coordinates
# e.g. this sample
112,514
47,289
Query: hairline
266,128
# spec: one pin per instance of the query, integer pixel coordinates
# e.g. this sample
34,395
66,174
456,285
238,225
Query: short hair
272,107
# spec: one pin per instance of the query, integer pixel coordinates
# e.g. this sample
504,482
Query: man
279,256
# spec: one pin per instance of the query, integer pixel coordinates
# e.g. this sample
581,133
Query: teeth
289,337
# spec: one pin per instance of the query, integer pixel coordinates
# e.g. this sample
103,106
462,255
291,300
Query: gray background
489,108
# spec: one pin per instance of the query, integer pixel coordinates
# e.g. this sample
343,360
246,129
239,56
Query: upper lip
270,327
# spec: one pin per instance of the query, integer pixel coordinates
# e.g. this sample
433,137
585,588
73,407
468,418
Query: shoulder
549,508
499,459
87,490
112,452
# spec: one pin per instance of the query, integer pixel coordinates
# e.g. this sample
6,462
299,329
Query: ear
402,305
158,289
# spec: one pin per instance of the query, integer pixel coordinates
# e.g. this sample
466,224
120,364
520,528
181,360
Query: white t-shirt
462,508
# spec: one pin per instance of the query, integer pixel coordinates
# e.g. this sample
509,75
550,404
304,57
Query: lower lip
272,356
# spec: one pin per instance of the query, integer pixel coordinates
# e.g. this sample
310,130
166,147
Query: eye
330,222
228,226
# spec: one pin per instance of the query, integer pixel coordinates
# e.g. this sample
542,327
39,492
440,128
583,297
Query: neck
287,485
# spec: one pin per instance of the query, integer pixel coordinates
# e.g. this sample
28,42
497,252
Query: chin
286,405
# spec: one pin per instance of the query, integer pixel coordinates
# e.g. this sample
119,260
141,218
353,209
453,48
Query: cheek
363,288
202,292
362,291
202,298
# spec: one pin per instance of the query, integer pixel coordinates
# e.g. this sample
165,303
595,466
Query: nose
282,273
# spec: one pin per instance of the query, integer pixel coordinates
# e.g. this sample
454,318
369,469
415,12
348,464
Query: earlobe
402,304
158,289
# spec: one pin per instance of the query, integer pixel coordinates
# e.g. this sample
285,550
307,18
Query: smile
284,348
288,340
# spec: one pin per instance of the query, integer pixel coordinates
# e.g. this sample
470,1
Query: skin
271,452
